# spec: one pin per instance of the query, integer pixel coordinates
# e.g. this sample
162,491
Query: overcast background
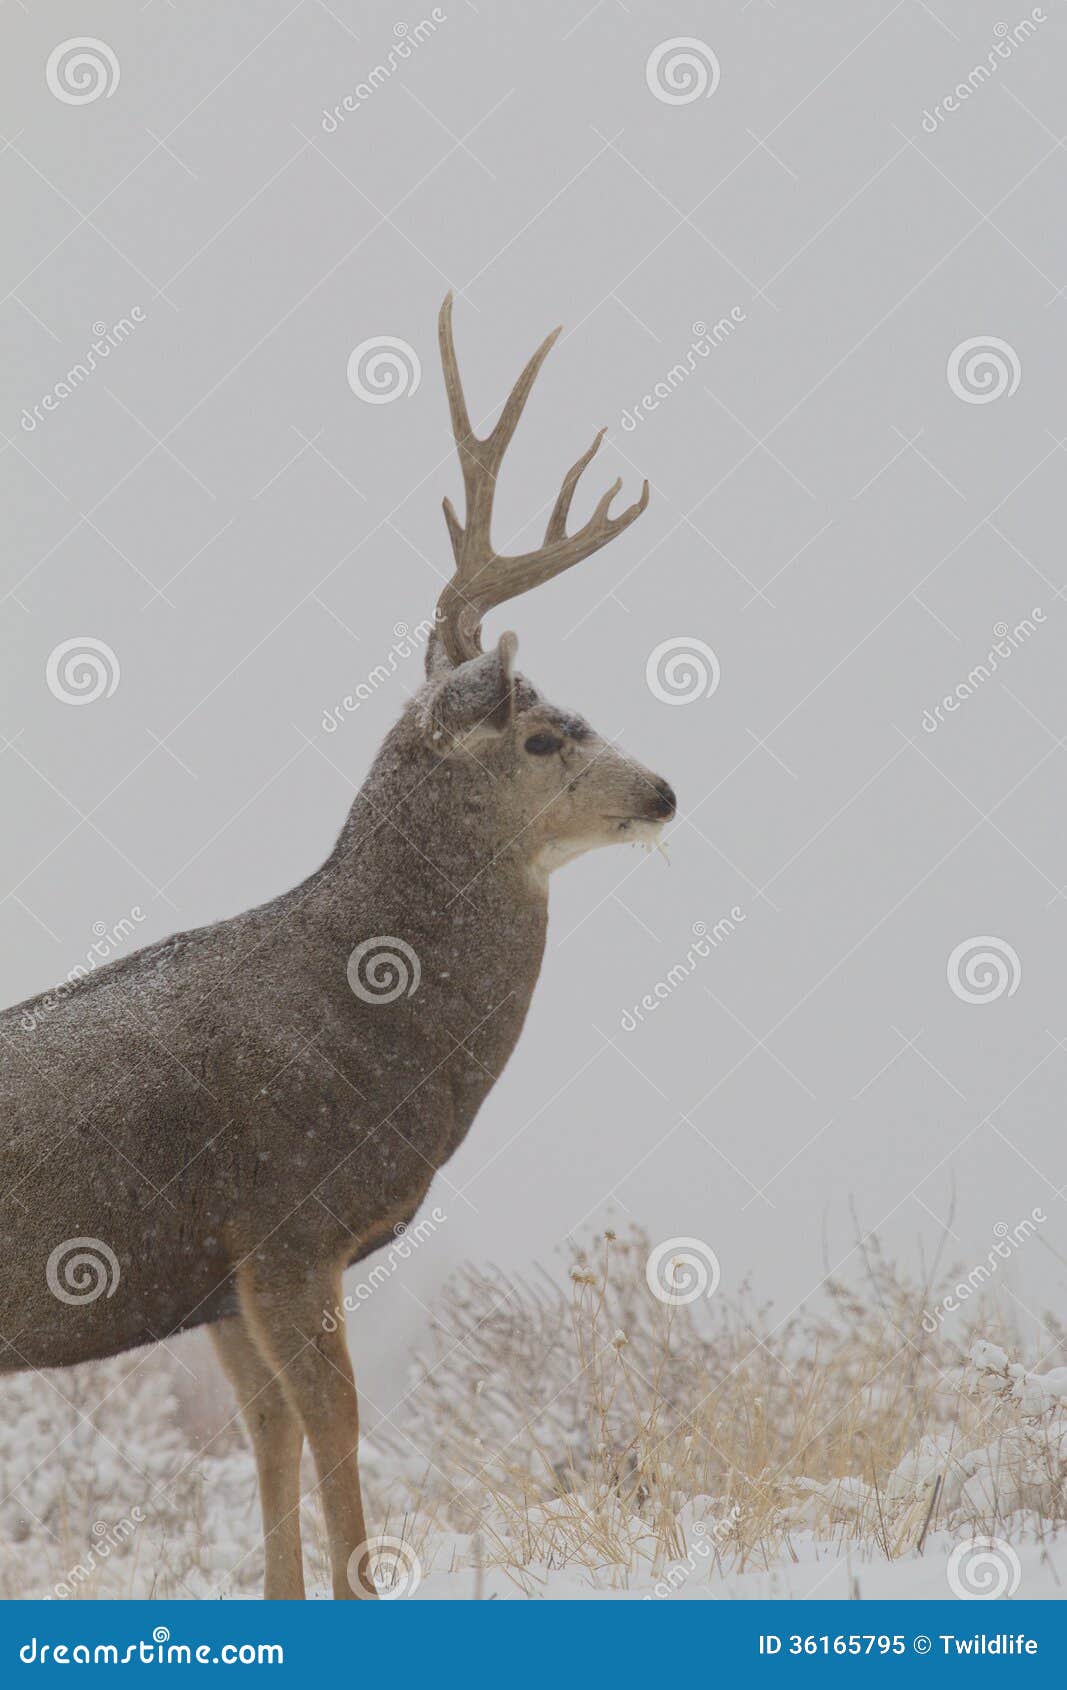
844,531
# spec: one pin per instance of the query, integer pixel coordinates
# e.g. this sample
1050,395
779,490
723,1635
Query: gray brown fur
237,1125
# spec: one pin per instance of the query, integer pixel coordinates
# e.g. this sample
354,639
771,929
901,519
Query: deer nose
665,803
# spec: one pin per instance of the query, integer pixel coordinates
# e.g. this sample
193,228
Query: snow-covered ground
598,1448
822,1570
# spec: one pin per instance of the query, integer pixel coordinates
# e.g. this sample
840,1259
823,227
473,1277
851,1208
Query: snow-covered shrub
597,1424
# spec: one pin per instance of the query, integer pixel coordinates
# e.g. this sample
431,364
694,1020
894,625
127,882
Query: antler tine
455,529
515,403
488,450
561,510
483,578
457,404
534,568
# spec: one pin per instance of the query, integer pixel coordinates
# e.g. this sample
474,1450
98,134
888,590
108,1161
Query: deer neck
424,857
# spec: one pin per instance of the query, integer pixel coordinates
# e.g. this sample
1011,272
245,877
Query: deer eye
542,745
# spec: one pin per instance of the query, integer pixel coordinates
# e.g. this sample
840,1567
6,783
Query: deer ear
476,698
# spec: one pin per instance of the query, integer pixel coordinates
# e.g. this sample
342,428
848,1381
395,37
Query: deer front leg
277,1440
284,1312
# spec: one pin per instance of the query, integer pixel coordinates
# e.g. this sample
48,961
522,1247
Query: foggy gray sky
840,511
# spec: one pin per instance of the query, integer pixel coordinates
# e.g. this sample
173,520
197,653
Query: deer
211,1130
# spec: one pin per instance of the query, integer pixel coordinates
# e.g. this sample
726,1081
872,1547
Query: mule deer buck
212,1129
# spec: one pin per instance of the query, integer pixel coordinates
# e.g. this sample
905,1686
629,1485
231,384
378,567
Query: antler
483,578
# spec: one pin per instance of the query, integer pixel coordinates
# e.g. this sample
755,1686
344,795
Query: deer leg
316,1374
277,1440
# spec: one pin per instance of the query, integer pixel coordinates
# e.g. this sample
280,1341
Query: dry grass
584,1426
596,1429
